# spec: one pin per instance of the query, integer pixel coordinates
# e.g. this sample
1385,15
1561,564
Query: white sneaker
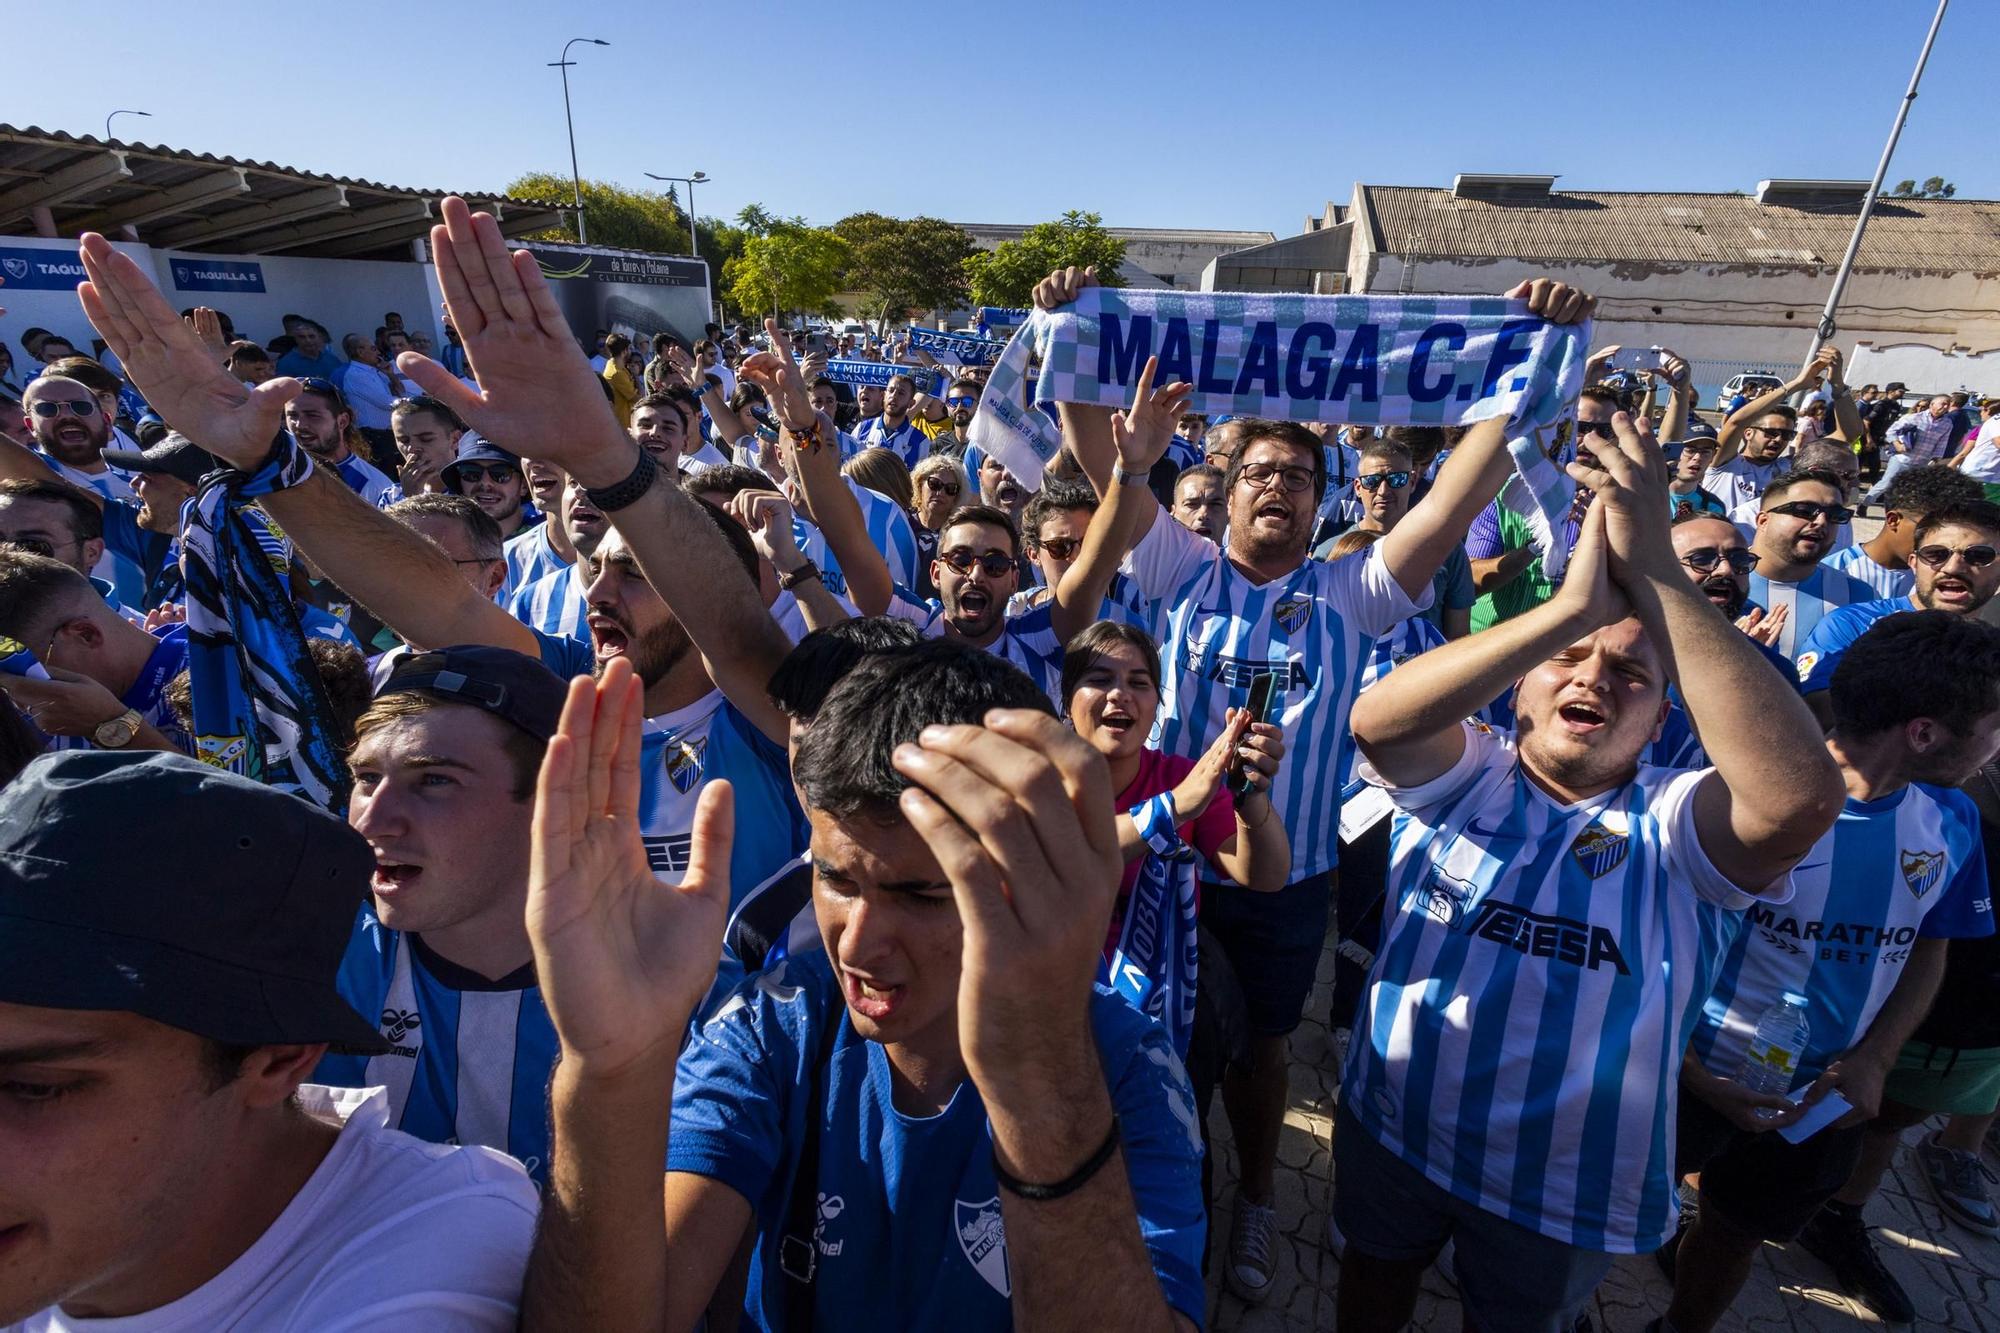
1253,1250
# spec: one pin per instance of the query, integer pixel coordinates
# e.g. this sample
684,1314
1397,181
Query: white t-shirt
389,1234
1983,463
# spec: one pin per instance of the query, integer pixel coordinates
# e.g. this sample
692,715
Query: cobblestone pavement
1952,1274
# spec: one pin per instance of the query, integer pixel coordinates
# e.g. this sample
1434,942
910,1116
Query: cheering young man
1511,1085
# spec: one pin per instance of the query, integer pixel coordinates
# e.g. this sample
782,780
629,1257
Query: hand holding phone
1263,690
1639,358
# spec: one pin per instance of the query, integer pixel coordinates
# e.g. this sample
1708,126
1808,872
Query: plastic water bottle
1771,1062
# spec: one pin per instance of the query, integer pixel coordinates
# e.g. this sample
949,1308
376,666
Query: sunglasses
1809,510
961,401
1062,548
320,385
1596,428
50,408
1938,556
995,565
1259,475
1706,558
1773,434
941,486
1374,480
471,472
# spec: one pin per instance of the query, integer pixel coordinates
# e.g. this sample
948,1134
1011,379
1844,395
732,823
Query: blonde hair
880,470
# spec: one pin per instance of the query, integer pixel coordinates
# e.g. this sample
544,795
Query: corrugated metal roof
200,201
1937,235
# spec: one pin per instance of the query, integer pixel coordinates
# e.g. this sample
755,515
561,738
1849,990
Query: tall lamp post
698,178
576,180
114,115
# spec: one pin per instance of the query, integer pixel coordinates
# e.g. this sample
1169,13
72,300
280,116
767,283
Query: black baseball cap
231,925
510,685
476,448
175,455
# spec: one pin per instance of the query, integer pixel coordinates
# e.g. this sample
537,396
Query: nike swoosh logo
1477,831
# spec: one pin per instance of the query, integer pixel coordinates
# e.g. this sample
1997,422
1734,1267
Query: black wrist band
1070,1184
627,492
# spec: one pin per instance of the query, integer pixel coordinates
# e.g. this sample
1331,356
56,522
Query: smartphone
1262,690
1639,358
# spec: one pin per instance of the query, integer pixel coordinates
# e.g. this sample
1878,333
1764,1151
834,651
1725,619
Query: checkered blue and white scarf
1357,359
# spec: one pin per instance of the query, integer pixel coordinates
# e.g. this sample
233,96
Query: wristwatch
1125,478
787,582
117,733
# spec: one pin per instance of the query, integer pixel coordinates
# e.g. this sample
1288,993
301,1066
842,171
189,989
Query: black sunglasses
1596,428
995,565
942,486
1707,557
1939,555
1812,509
1374,480
1062,548
471,472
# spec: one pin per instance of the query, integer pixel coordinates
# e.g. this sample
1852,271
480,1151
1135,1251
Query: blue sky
1239,114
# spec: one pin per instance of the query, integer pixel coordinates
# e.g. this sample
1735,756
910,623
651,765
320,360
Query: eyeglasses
1374,480
471,472
1259,475
1062,548
1596,428
1784,434
1838,515
1707,557
942,486
1939,555
50,408
963,400
994,564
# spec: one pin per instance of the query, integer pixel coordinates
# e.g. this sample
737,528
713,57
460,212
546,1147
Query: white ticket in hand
1370,806
1817,1117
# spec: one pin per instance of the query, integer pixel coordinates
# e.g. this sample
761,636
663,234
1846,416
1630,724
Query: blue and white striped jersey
1219,630
471,1057
889,530
554,603
1854,562
1409,639
364,479
529,557
706,740
1836,633
1122,603
1027,639
907,441
1520,1038
1908,866
1808,601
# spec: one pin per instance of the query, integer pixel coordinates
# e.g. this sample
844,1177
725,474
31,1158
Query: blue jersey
1834,634
706,740
1808,601
1890,872
1311,629
910,1234
1521,1034
470,1058
529,557
1027,637
889,531
907,441
1122,603
1855,562
1414,636
554,603
364,479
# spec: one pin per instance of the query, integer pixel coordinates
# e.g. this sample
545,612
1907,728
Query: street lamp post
114,115
576,179
699,177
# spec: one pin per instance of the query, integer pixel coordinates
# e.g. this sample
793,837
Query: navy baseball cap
232,926
175,455
512,686
476,448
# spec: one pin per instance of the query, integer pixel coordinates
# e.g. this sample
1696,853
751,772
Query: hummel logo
397,1022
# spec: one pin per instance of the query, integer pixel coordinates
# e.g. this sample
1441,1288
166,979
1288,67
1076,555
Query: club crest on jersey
983,1240
1292,613
684,764
224,752
1600,851
1922,870
1445,898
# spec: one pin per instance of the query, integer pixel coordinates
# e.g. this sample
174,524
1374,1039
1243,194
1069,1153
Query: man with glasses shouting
1756,436
69,428
1717,559
1800,516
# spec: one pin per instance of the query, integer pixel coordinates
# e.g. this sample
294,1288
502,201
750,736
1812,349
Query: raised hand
1629,482
777,373
1143,431
1587,588
622,958
768,517
1765,627
534,383
1062,286
207,326
178,375
1019,814
1557,302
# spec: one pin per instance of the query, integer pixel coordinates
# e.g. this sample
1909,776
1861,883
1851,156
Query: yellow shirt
624,393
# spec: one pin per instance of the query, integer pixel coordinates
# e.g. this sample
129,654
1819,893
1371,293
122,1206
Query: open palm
176,373
622,958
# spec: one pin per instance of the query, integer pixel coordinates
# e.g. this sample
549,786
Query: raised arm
1846,416
767,516
1775,790
1680,397
1415,548
1729,439
400,576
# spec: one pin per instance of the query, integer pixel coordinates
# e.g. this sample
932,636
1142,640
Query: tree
756,220
1936,187
905,266
621,218
1006,275
789,267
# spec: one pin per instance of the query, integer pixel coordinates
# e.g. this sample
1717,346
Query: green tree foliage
790,267
1936,187
1006,275
621,218
905,266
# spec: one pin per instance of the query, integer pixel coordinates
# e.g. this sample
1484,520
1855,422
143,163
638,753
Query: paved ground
1952,1274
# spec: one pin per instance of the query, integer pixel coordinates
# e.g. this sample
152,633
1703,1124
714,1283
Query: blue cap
475,448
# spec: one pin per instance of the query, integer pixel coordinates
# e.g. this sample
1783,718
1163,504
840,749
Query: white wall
58,311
